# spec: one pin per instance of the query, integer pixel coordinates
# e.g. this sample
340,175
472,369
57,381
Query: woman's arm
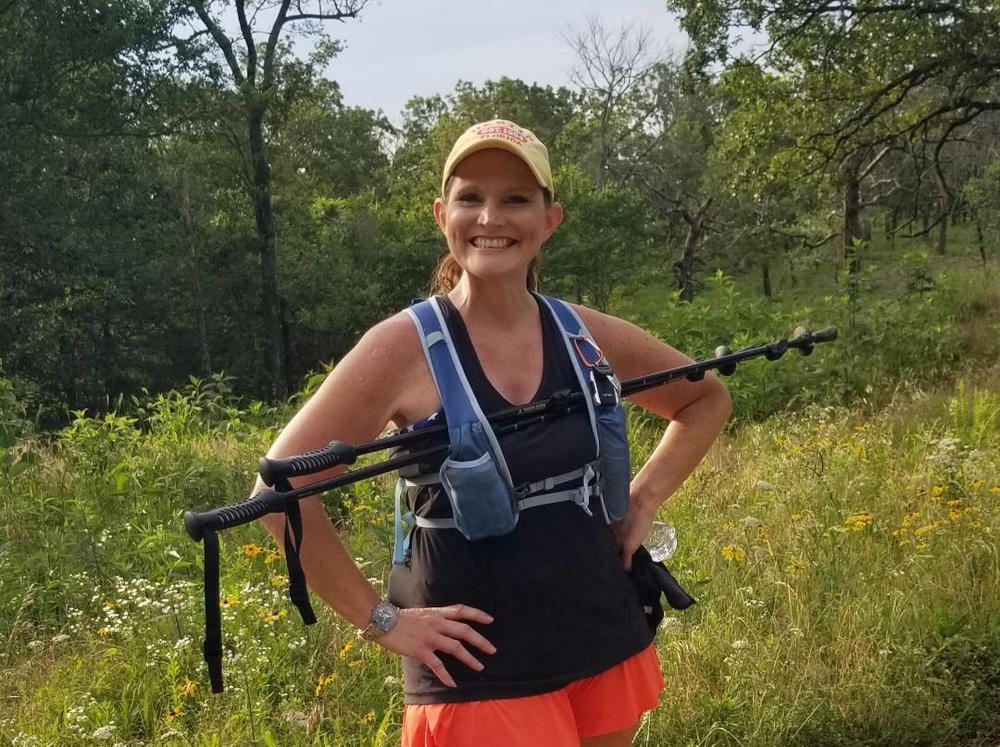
697,411
384,378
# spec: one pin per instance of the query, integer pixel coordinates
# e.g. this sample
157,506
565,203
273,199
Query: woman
535,637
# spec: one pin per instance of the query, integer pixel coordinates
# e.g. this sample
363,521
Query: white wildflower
105,732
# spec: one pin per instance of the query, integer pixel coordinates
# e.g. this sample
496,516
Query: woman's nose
489,215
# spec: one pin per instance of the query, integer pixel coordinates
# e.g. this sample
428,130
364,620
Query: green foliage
843,563
601,244
883,340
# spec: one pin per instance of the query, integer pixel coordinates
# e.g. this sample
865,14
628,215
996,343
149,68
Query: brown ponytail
449,272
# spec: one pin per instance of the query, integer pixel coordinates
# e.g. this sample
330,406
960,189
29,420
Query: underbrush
843,555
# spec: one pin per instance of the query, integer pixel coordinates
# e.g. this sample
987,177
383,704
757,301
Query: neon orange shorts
610,701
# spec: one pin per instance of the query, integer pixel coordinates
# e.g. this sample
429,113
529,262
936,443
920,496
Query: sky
404,48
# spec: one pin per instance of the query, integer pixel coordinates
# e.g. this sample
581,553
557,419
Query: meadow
840,538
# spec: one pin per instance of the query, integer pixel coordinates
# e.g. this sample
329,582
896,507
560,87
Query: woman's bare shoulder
389,363
632,350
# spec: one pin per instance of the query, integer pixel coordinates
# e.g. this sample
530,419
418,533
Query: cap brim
487,144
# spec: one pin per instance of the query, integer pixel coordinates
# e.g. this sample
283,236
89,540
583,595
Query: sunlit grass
844,558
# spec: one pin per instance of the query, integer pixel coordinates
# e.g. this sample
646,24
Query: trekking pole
204,526
515,418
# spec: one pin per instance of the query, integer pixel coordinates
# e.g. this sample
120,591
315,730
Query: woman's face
494,215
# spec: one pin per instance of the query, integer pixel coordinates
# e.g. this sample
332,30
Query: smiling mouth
482,242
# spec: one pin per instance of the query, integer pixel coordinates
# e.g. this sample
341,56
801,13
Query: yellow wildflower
187,688
732,552
355,663
103,631
271,615
953,514
955,502
175,712
251,550
228,601
728,525
279,580
272,556
910,518
922,546
904,542
995,489
939,489
368,717
347,647
324,680
796,567
858,521
976,525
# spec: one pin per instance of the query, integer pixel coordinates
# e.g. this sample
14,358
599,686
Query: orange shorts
610,701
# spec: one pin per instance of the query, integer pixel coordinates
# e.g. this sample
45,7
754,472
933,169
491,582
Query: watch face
384,616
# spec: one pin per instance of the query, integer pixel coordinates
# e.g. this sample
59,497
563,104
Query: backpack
475,476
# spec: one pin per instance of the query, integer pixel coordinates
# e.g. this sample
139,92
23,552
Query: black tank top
562,604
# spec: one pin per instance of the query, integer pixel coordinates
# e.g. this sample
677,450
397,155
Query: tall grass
843,554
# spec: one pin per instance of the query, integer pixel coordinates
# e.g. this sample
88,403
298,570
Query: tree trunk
852,227
199,296
765,271
945,204
684,267
982,244
264,214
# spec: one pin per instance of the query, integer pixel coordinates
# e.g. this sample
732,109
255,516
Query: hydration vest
475,476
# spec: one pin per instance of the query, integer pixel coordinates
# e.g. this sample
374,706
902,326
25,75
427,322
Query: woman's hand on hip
421,632
632,530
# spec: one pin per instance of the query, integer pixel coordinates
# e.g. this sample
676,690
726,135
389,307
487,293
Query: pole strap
298,593
212,646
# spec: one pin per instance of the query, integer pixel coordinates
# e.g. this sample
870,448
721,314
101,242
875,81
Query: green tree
261,83
864,79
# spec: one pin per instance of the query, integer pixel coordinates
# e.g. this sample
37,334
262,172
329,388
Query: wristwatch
384,617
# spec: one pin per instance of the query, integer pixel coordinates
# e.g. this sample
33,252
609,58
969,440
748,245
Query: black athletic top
563,606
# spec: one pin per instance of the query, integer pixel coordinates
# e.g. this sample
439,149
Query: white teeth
484,243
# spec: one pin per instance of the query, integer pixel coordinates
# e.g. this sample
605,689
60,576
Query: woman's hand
632,530
422,631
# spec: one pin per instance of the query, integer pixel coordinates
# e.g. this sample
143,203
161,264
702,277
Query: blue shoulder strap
457,398
580,347
461,409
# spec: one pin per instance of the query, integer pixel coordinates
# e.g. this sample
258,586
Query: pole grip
335,453
829,334
259,504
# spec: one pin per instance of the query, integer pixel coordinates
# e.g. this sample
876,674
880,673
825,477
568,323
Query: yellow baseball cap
505,135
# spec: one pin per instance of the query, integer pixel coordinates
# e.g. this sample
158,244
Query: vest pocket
613,463
481,501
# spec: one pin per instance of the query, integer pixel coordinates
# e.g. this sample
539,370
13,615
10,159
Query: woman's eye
517,199
469,198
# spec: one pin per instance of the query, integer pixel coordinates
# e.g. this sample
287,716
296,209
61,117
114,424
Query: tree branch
247,30
221,40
